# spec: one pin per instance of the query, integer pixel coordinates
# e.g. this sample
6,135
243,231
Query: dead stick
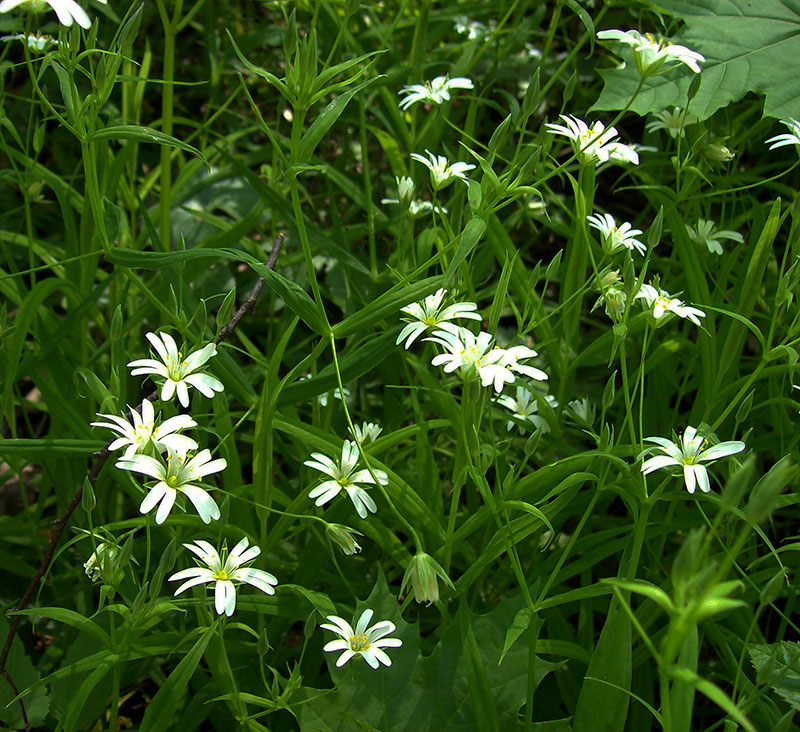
101,457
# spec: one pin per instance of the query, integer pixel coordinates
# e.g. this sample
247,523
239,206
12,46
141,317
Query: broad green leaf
778,665
746,45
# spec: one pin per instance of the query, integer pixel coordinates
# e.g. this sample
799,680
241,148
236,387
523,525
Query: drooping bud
422,573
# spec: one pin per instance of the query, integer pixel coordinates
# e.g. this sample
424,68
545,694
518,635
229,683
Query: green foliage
745,45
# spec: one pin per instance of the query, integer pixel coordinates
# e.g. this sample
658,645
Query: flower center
359,642
222,575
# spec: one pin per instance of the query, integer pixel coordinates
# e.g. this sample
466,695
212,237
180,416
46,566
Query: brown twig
101,458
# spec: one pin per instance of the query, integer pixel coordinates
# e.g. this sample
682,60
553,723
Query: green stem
167,110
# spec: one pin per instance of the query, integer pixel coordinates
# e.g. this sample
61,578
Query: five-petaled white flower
593,144
224,573
365,642
442,174
429,313
673,122
789,138
525,408
178,372
650,52
68,11
687,454
176,475
345,476
706,233
433,92
616,237
143,430
663,304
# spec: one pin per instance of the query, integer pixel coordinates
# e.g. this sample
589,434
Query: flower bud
422,572
405,190
102,565
344,538
718,153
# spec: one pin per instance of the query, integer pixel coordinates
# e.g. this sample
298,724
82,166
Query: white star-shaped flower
433,92
650,52
525,408
707,234
673,121
176,475
366,432
593,144
662,304
687,455
615,237
137,435
224,573
443,173
429,313
178,372
365,642
345,475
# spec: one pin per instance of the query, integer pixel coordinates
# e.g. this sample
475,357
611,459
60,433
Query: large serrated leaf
778,665
746,45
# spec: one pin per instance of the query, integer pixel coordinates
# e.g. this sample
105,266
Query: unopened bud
422,573
344,538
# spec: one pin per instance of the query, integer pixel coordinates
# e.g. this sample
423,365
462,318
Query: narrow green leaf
142,134
472,234
159,713
480,694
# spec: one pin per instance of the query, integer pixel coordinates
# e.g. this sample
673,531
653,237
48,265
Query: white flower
143,430
790,138
433,92
706,233
224,573
581,411
442,174
417,208
175,476
102,558
367,432
525,407
472,28
66,10
593,144
663,303
650,52
673,122
345,475
429,313
509,358
177,371
365,642
36,43
686,455
616,237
